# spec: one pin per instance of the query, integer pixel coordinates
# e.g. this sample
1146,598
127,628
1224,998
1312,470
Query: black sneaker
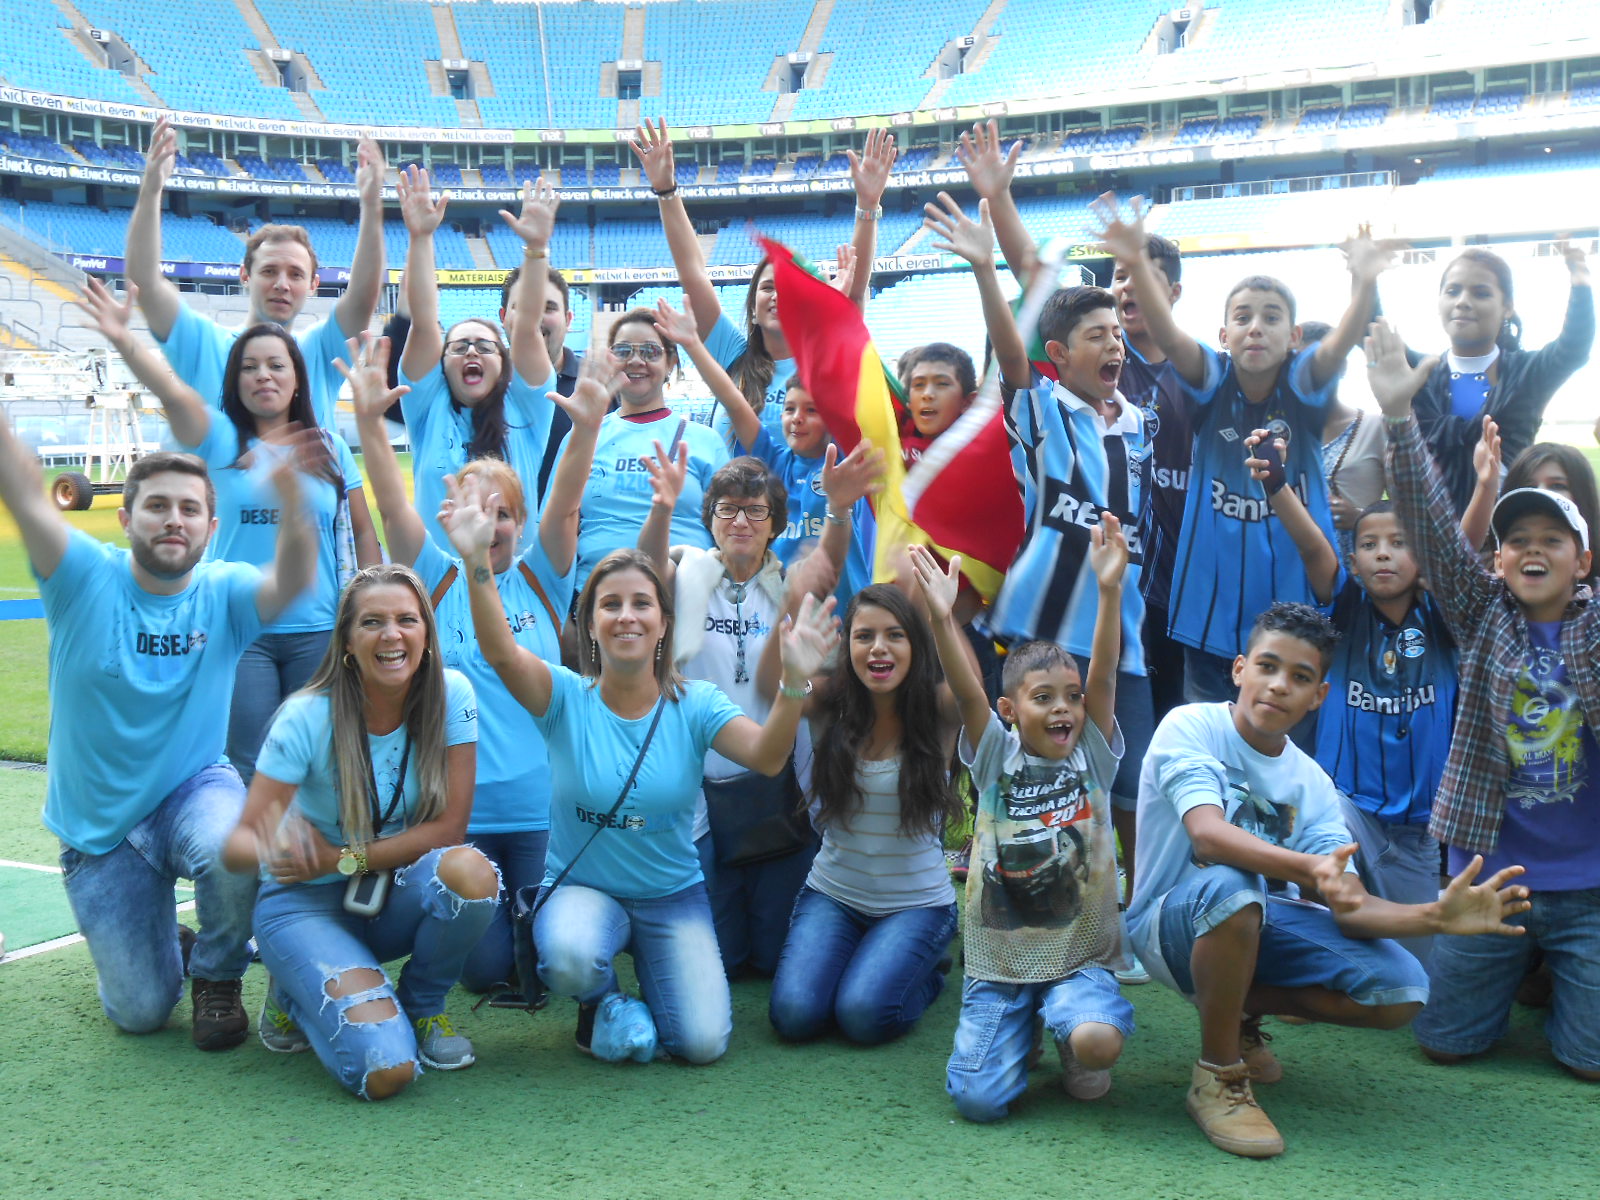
585,1033
219,1018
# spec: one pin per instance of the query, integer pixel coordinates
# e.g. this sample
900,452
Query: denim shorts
1301,943
1475,979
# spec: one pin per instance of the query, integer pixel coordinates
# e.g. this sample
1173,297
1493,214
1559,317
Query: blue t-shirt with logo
727,345
299,750
247,516
140,686
1383,733
1235,557
512,792
1157,391
1552,815
198,349
647,849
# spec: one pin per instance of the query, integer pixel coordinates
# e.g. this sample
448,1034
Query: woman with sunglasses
471,396
617,499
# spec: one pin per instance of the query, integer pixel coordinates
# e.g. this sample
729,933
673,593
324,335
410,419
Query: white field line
7,862
59,943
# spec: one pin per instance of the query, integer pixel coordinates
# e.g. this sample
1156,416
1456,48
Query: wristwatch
869,214
351,862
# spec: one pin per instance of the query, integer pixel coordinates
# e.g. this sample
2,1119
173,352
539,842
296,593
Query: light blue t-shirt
198,349
727,345
647,849
247,517
440,431
616,500
140,686
513,787
299,750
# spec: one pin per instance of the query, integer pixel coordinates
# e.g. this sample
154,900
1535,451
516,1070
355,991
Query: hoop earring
349,661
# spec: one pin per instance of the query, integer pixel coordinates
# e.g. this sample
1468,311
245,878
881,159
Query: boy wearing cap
1522,783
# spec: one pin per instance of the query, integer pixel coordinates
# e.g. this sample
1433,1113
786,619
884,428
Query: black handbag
527,902
756,818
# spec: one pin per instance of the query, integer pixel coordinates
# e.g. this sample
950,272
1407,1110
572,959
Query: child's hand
667,475
1577,260
1269,473
869,170
1340,889
1394,381
537,220
1367,258
1466,909
1486,457
808,639
370,392
939,585
988,170
653,147
113,320
971,240
467,516
859,473
418,209
1123,240
598,378
677,327
1108,551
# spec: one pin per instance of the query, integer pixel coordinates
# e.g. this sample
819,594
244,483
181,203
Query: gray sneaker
278,1032
440,1046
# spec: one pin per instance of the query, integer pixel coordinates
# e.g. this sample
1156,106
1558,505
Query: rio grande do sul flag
975,508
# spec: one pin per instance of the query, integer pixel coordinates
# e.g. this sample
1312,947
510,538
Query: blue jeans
1396,862
308,940
520,859
750,906
580,930
275,666
1301,944
994,1039
1475,978
871,976
1207,678
122,901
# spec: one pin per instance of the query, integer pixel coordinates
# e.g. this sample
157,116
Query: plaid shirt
1492,632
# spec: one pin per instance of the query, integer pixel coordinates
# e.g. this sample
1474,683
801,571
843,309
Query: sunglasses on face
466,345
647,351
729,511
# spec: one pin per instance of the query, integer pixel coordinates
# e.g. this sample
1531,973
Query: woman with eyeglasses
471,395
617,499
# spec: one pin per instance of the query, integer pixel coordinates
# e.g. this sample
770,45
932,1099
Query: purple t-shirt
1552,818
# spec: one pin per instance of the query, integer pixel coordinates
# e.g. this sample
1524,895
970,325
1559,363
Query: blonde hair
500,477
339,679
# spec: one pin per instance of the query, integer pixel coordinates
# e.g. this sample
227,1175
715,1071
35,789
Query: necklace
736,592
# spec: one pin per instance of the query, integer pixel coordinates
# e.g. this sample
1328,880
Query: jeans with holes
122,901
520,859
872,977
580,930
275,666
308,940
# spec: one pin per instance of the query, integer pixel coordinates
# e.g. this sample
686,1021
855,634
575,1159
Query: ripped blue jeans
307,940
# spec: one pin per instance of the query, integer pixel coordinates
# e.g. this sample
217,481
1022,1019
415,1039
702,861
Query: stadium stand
715,57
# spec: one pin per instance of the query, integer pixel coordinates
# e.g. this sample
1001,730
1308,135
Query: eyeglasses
729,511
482,345
648,351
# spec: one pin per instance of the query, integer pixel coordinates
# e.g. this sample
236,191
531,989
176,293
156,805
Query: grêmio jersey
1383,733
1076,467
1235,558
1158,392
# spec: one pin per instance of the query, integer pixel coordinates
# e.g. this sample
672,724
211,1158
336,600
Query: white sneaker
1134,974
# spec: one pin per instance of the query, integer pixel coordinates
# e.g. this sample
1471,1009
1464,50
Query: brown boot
1222,1105
1263,1063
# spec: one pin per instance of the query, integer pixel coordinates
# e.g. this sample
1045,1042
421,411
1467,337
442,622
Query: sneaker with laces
1221,1103
1077,1080
277,1031
1258,1056
219,1018
440,1046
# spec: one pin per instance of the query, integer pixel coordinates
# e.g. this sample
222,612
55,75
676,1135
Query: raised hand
370,166
1339,888
667,474
962,236
1465,908
807,639
1577,259
418,208
1108,551
468,518
860,473
537,220
677,327
1123,240
844,269
940,585
1486,456
988,169
1366,257
160,158
869,170
598,379
113,320
653,148
370,392
1394,381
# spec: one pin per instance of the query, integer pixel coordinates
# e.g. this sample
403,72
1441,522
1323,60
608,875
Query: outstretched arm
159,298
370,393
939,589
586,407
1367,259
187,414
869,172
530,357
1464,907
1126,240
1321,560
354,309
684,331
45,531
989,171
653,147
1108,557
974,242
422,214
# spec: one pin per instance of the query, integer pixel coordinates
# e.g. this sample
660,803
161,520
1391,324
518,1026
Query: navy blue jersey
1235,558
1384,732
1169,423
